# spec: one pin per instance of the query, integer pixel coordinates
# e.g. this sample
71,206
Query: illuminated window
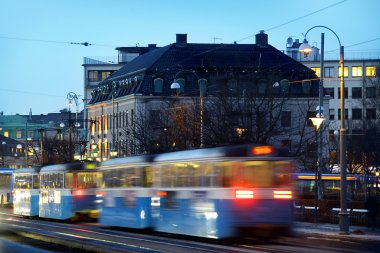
345,72
370,71
105,74
18,134
317,71
6,134
357,71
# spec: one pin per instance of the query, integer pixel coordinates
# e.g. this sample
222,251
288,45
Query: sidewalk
333,230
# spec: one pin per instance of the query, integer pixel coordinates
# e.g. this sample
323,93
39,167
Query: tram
6,186
26,191
126,192
212,192
68,190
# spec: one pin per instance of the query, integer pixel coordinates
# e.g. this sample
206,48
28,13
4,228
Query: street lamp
343,214
317,122
202,85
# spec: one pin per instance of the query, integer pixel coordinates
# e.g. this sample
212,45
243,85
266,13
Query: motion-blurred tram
6,186
68,190
213,192
26,191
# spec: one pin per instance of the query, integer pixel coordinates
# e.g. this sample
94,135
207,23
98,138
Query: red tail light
282,194
244,194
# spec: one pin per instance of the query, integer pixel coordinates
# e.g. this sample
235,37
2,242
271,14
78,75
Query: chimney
181,39
262,38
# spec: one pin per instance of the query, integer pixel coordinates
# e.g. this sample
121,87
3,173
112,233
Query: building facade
157,88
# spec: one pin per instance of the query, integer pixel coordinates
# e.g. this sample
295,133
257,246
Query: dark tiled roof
165,62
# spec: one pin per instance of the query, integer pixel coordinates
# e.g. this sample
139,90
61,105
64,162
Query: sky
41,56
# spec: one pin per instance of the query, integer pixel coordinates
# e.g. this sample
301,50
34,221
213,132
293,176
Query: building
181,76
23,136
362,90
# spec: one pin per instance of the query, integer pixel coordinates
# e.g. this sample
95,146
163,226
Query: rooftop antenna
215,39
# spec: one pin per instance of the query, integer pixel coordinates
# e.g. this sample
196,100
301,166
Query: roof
204,59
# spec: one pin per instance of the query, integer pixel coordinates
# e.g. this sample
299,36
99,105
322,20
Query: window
105,74
331,114
345,72
317,71
345,93
357,71
371,92
6,133
93,76
158,83
286,119
370,71
18,134
357,92
330,92
345,114
329,72
357,114
370,113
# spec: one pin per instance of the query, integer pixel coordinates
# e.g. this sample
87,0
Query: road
81,237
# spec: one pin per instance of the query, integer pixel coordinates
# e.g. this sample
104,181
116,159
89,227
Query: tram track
92,237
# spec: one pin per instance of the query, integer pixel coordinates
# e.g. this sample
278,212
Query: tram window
36,182
23,182
147,175
87,180
69,180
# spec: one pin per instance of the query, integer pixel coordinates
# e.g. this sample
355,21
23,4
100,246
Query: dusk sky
41,60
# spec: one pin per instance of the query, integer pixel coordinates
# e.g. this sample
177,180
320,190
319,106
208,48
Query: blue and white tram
26,191
69,190
222,192
126,192
6,186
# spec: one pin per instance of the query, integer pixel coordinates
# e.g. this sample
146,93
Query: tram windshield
5,181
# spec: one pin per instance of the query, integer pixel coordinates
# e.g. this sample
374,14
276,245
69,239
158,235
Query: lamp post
3,143
317,122
72,96
343,214
202,85
113,150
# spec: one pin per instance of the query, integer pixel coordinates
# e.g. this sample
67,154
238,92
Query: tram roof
225,151
28,170
74,166
126,160
6,170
